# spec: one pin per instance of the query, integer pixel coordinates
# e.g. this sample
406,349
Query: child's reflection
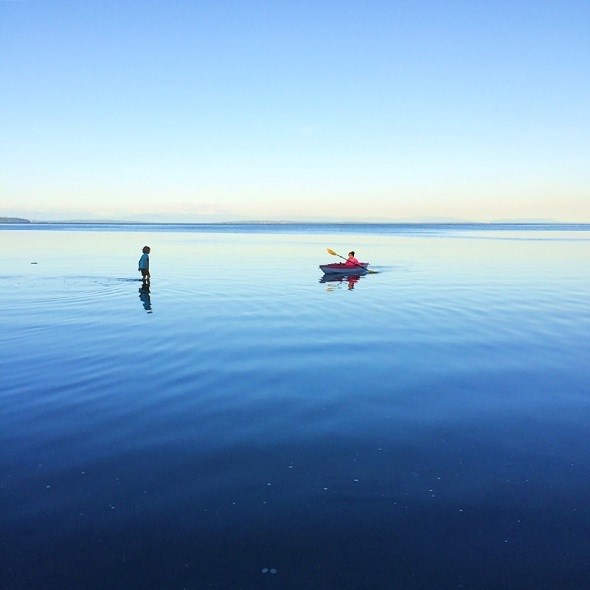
144,295
352,280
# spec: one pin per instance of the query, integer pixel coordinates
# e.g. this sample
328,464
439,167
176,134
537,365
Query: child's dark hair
146,250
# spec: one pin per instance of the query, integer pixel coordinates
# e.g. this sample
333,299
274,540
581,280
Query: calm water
247,425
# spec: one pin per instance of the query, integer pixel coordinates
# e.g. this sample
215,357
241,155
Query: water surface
248,424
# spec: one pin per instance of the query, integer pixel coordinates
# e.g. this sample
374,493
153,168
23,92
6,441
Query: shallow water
246,424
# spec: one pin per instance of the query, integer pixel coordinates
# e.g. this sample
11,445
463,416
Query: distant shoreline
426,221
14,220
456,222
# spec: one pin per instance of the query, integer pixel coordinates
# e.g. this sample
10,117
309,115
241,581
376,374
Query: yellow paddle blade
331,252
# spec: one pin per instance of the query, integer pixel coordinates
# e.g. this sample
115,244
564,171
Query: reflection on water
337,281
144,295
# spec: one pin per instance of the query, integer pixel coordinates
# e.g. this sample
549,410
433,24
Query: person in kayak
352,261
143,265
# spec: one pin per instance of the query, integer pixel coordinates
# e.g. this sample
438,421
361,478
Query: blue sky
376,111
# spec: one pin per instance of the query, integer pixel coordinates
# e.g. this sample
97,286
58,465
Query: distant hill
13,220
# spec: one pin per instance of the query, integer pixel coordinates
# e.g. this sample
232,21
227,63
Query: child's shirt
144,262
352,262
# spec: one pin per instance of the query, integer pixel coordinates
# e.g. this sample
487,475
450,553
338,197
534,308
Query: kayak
339,268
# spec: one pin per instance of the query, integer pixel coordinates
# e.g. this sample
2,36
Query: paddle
359,265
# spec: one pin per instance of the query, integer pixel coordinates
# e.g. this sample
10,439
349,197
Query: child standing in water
144,264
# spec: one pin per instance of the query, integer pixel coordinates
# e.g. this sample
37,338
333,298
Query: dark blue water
248,424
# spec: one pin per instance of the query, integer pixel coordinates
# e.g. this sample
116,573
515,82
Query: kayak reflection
338,280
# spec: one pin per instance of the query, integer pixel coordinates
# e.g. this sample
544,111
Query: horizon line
434,221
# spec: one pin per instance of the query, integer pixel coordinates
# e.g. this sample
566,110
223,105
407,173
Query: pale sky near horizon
219,110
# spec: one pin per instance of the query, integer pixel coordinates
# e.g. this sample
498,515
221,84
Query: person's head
351,254
146,250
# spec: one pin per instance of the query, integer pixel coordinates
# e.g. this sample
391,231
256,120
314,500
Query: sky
295,110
